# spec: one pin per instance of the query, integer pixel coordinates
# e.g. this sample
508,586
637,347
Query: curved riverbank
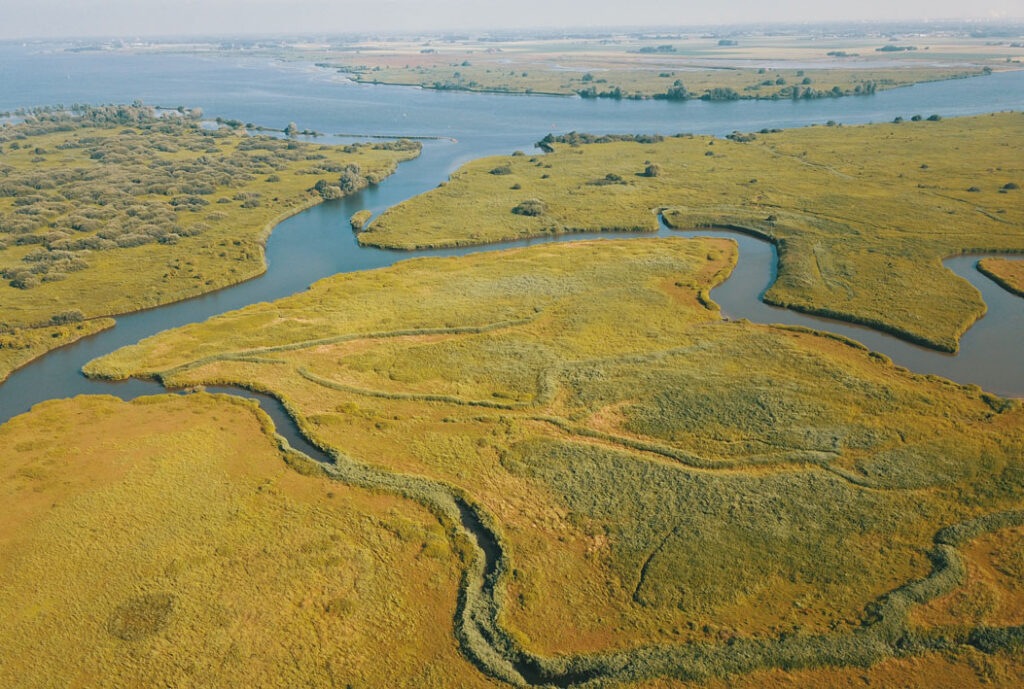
318,242
988,356
885,632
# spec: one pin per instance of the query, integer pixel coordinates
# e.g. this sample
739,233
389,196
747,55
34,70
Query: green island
619,450
712,84
862,216
676,66
106,210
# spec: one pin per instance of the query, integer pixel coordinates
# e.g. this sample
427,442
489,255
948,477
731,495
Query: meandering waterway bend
318,242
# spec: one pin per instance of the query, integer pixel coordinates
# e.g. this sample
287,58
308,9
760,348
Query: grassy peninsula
671,497
1008,273
862,216
113,209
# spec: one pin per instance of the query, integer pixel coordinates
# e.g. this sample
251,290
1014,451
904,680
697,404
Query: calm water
319,243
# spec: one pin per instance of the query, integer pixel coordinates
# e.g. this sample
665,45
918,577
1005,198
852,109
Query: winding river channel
318,242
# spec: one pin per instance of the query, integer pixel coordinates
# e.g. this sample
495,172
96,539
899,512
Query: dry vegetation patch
1007,272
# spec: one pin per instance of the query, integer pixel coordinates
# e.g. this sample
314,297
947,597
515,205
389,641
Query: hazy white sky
38,18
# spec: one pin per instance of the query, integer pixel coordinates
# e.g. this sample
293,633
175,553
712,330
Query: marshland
477,412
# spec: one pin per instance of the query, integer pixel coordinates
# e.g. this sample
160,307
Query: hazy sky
37,18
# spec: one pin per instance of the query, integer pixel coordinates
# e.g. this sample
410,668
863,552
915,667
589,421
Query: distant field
642,83
743,497
861,216
166,543
110,210
672,66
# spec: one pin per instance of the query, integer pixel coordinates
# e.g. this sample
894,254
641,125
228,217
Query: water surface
318,242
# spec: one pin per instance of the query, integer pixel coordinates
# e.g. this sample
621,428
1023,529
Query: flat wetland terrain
655,477
861,216
557,465
111,210
166,542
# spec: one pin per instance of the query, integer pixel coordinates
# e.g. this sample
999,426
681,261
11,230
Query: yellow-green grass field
166,542
113,210
20,347
862,216
1008,273
743,497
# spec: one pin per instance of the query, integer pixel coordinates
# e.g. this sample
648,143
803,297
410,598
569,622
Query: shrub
25,281
130,240
352,179
652,170
141,616
720,94
502,170
531,207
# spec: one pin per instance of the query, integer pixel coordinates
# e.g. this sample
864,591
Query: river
318,243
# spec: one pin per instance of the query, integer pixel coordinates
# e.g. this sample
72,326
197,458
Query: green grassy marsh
657,478
109,210
862,216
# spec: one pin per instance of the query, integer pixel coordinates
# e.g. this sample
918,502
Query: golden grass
964,668
862,216
164,542
1008,273
654,475
16,350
